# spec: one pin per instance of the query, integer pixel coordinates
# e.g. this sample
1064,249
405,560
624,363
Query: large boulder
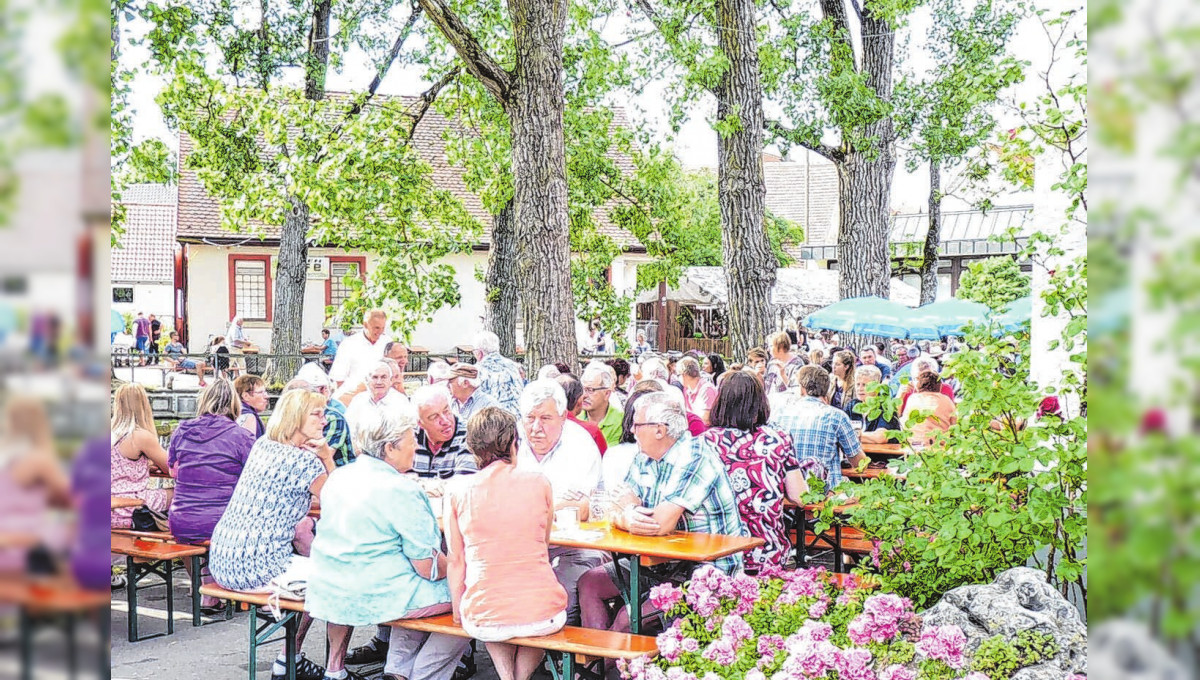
1019,600
1125,650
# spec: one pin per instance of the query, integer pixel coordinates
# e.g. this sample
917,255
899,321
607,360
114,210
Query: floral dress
129,478
757,463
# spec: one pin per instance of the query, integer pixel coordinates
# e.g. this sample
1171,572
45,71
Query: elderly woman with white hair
377,556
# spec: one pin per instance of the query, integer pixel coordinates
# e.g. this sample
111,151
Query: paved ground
50,652
213,652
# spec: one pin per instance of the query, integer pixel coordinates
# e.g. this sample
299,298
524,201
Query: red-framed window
336,290
250,291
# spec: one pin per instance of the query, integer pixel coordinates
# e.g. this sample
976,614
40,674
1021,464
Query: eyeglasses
593,390
641,424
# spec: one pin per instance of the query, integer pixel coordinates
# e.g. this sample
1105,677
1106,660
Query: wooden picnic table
866,473
126,502
889,449
651,550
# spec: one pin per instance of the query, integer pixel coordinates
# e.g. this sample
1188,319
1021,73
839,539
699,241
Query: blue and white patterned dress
252,543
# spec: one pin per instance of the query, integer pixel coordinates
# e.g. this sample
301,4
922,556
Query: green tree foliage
261,145
995,281
150,162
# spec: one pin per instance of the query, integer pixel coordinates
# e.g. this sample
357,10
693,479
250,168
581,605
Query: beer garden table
651,550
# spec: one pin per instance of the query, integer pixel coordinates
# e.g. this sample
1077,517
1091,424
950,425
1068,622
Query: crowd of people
442,499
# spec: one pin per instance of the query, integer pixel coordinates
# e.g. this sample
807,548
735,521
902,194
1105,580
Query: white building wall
209,311
152,298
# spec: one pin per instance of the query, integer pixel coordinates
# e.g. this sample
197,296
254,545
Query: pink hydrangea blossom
817,609
811,631
898,672
755,674
769,644
944,643
677,673
854,664
665,596
811,658
736,628
722,651
670,644
691,645
976,675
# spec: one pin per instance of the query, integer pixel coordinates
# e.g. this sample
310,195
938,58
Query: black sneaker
305,670
374,651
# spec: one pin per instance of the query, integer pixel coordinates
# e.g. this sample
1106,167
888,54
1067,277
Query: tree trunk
535,110
291,275
929,256
500,283
741,191
865,176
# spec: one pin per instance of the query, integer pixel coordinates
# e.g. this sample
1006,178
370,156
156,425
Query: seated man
565,453
176,361
874,430
573,390
378,395
464,388
441,441
820,432
673,484
337,428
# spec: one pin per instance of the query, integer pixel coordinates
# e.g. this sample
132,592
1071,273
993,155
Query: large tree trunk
929,255
866,176
741,191
500,283
292,272
535,110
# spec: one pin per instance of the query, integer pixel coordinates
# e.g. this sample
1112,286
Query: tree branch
479,63
777,129
382,71
427,98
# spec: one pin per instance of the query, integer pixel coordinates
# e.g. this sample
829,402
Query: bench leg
253,640
261,636
26,645
105,655
635,596
289,643
170,567
72,661
131,578
837,548
195,560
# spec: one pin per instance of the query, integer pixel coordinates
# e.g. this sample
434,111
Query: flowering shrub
796,625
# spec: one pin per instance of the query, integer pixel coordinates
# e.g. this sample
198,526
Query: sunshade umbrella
116,323
950,316
1111,312
866,316
8,318
1017,315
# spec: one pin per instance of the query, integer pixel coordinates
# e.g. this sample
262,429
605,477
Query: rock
1125,650
1019,600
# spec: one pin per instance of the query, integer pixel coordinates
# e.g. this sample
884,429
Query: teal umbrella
949,317
1016,317
1111,312
867,316
8,318
116,323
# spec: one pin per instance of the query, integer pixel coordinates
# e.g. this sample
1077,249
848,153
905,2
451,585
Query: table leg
170,566
72,661
26,645
131,597
196,597
568,665
289,643
837,547
635,595
253,640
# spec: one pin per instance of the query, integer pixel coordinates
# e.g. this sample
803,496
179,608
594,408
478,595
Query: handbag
148,519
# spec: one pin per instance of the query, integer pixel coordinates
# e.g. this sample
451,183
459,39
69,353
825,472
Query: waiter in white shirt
358,353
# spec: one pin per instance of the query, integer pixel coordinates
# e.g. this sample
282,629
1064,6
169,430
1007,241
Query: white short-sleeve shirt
354,359
572,465
392,401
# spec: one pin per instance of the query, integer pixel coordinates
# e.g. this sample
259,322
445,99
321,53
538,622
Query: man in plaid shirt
820,432
675,482
337,431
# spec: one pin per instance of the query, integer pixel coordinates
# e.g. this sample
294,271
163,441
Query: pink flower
944,643
769,644
665,596
976,675
810,658
811,631
907,565
722,651
854,664
755,674
898,672
691,645
670,644
817,609
736,628
677,673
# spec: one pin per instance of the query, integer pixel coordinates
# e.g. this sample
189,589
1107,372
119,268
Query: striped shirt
453,458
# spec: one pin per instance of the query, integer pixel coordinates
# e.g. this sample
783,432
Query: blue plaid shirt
820,433
478,401
692,477
337,433
501,380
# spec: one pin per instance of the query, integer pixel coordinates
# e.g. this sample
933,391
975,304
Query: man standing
141,336
820,432
467,399
501,377
567,456
598,383
359,352
155,335
441,441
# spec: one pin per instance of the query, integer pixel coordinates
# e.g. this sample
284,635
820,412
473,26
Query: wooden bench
56,601
564,647
155,552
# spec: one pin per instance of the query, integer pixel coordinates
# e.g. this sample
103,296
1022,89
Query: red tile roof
147,248
200,215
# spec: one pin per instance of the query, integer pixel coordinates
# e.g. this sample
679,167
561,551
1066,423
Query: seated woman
206,456
874,430
31,481
134,446
252,393
762,466
939,409
519,596
378,525
252,543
